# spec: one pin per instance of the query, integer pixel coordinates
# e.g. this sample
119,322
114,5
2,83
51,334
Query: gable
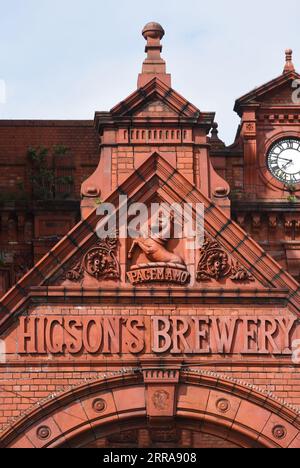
163,97
283,95
248,272
278,92
213,265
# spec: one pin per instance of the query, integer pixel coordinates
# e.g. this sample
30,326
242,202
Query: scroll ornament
99,262
216,264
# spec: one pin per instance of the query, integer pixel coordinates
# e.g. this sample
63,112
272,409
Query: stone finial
154,65
215,141
153,31
289,66
215,131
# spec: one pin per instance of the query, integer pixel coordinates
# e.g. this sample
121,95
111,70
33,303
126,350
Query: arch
223,407
112,433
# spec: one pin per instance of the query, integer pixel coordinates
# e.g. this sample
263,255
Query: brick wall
26,379
17,136
24,237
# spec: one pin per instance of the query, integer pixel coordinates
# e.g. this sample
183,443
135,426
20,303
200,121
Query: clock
284,160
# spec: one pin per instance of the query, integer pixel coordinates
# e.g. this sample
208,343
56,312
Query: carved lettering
92,336
287,325
180,328
250,336
161,338
111,335
176,335
41,348
136,340
201,335
176,275
266,332
54,343
27,343
73,331
224,329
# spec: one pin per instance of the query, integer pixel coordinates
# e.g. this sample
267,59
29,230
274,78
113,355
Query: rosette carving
217,264
100,262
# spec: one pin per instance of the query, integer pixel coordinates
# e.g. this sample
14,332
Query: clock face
284,160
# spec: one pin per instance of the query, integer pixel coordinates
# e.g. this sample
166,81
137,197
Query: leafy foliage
43,175
292,199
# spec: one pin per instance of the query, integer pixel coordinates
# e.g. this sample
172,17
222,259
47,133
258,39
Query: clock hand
284,159
289,161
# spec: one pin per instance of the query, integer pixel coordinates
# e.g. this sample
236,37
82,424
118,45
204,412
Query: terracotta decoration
99,262
156,341
215,263
163,265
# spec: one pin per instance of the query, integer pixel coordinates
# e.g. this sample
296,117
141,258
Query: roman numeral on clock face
293,178
283,160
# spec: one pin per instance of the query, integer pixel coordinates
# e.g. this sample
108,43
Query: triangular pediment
230,264
214,265
276,92
156,97
282,95
155,107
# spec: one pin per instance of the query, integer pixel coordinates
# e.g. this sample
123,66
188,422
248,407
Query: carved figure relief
216,264
163,265
160,399
155,247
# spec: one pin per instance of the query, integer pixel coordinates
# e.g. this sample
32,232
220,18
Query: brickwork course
111,343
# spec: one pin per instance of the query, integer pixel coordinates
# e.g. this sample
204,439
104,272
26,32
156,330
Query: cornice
249,99
265,206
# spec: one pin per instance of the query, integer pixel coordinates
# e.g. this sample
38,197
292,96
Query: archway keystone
161,385
195,401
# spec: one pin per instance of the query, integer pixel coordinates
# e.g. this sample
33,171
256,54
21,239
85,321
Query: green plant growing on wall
292,198
43,175
60,150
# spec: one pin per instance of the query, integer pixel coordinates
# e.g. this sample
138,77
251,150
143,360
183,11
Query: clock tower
266,195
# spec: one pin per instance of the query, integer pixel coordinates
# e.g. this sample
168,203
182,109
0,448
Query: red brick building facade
121,343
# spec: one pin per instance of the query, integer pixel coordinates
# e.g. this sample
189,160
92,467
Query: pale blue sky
65,59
